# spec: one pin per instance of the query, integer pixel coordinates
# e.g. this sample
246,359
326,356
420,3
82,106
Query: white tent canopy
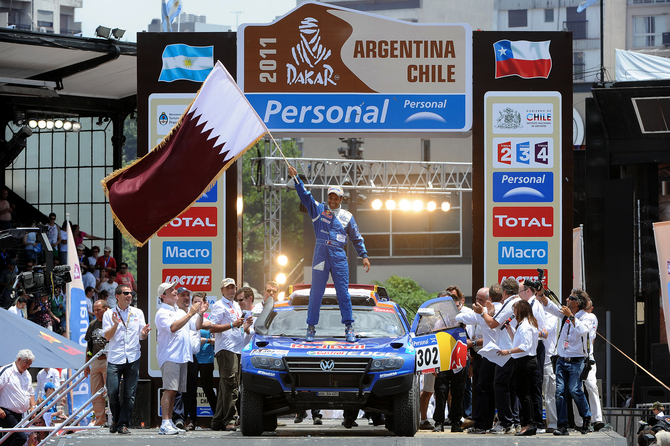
631,66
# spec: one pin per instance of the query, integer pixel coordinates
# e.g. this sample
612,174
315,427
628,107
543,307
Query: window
412,234
45,18
60,172
548,15
648,31
517,18
578,65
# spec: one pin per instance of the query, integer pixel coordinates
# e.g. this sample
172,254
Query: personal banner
662,236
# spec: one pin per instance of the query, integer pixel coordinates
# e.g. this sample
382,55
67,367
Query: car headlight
387,364
267,362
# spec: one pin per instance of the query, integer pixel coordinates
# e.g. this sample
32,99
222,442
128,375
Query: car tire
406,411
389,422
269,423
251,413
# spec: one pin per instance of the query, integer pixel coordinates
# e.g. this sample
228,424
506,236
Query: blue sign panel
523,187
210,196
315,112
187,253
523,253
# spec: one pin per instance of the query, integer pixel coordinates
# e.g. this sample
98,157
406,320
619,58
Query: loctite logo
521,274
193,279
195,222
523,222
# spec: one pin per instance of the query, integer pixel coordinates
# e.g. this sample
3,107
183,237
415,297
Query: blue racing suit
331,228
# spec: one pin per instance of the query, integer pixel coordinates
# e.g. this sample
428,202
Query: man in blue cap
332,225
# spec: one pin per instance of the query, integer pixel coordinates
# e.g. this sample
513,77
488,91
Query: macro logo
523,222
522,274
187,253
195,222
193,279
523,253
523,187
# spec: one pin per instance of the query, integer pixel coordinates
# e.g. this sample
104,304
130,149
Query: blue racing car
284,374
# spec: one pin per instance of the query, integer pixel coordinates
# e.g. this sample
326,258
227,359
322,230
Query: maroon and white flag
217,128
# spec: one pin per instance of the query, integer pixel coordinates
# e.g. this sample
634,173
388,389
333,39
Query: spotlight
376,204
41,123
103,31
390,204
446,206
67,125
431,206
58,123
281,278
76,126
282,260
117,33
50,124
281,296
32,124
417,205
405,205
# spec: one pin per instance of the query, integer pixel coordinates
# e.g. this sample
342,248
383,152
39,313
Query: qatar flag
522,58
214,131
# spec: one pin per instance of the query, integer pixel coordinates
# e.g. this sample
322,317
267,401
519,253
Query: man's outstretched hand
366,264
292,171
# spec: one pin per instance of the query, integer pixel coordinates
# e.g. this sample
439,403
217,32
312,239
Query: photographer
590,383
571,358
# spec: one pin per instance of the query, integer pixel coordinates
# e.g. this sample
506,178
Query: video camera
41,280
536,284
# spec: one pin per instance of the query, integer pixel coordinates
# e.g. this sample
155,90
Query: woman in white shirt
524,347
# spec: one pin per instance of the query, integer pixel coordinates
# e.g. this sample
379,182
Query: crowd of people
526,352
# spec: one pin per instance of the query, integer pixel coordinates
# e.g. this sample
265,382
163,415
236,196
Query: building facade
48,16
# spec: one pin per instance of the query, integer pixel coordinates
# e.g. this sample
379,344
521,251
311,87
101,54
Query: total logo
523,222
194,222
522,274
193,279
523,253
523,187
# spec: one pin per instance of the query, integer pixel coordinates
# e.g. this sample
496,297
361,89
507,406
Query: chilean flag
522,58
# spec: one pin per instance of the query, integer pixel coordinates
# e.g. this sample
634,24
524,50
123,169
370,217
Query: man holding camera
571,349
590,383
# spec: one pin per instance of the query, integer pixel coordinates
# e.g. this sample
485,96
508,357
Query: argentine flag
191,63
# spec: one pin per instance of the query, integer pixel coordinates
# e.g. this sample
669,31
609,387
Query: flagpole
278,147
68,304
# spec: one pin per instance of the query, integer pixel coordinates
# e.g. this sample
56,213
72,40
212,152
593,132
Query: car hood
295,345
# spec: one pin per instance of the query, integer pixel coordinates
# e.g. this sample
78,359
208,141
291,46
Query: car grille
345,372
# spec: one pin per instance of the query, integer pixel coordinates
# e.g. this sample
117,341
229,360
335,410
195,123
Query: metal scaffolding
390,178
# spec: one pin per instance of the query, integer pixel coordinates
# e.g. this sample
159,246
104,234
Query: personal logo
523,187
327,365
508,119
309,56
163,119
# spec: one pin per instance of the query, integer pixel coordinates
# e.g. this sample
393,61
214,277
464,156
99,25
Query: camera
37,281
536,284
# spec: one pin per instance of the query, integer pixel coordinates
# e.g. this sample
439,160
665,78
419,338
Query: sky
135,15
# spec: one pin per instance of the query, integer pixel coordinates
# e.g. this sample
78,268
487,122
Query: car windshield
437,316
369,323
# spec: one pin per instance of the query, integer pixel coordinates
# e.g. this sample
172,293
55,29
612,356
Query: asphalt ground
331,433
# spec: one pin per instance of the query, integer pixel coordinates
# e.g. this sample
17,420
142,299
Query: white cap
337,190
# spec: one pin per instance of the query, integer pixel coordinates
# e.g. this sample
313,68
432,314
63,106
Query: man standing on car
332,225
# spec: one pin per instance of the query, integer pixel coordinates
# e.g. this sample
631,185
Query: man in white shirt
528,294
46,375
173,351
591,382
19,307
225,320
16,395
110,286
124,327
571,350
504,385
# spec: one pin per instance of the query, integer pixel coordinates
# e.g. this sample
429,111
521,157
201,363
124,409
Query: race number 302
427,357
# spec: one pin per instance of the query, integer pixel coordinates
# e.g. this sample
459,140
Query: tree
407,293
128,250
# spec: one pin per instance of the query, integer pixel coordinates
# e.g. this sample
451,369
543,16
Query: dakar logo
309,56
509,119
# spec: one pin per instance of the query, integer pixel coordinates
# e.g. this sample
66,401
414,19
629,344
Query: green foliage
253,243
128,250
407,293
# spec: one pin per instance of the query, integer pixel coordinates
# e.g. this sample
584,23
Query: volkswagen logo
327,365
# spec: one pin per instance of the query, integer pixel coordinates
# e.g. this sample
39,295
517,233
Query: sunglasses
572,298
270,291
127,292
